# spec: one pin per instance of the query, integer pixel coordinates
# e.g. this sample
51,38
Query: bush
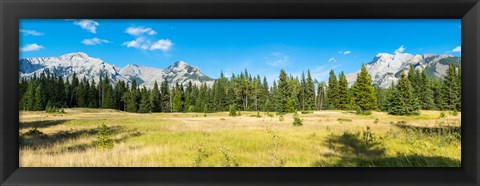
454,113
233,111
228,161
442,114
296,120
35,133
376,121
201,156
258,115
270,114
223,119
281,118
103,138
363,112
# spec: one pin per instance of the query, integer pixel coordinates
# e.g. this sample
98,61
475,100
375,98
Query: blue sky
262,46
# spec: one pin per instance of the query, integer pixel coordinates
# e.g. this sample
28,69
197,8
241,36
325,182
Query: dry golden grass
190,139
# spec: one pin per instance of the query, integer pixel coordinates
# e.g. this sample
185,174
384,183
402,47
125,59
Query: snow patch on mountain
92,68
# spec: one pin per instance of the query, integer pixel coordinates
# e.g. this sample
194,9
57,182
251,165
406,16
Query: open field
327,138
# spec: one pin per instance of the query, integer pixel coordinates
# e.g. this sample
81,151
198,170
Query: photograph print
240,93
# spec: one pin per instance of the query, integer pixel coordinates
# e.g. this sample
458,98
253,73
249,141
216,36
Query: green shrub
270,114
376,121
200,156
363,112
35,133
258,115
454,112
227,160
223,119
442,114
233,111
103,138
281,118
296,120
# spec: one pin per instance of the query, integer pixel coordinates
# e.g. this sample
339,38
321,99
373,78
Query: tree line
245,92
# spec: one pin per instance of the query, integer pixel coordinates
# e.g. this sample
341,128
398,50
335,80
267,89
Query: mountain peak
74,55
180,64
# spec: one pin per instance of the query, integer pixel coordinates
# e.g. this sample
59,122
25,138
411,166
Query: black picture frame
13,10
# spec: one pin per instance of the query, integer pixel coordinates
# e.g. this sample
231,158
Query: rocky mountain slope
85,66
385,68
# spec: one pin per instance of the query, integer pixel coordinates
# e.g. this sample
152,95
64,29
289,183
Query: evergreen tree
321,96
130,98
310,92
93,95
29,97
155,100
402,101
332,91
363,92
165,97
425,92
39,98
282,93
343,99
451,89
144,106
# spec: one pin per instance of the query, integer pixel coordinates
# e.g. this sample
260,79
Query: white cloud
277,59
457,49
163,44
88,25
400,50
31,47
332,60
137,43
144,40
31,32
137,31
347,52
94,41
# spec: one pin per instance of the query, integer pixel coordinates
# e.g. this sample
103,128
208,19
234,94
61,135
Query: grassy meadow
326,139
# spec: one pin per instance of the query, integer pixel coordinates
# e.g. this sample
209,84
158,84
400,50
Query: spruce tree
343,99
363,92
310,92
425,92
321,96
332,91
144,105
155,101
165,96
282,92
402,101
451,89
29,97
39,98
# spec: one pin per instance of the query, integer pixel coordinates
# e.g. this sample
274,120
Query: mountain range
384,68
92,68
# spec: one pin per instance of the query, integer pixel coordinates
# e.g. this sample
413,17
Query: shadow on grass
397,161
355,150
431,130
40,124
40,140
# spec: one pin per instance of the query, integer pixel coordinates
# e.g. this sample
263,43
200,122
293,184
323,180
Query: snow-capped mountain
385,68
92,68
